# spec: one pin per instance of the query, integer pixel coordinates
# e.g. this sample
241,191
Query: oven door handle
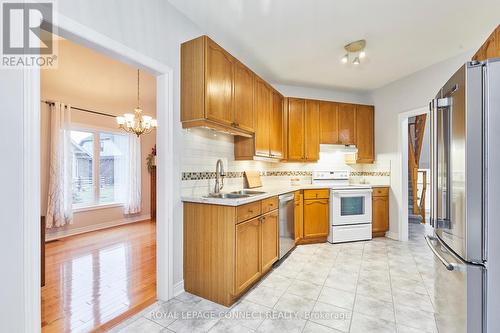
360,191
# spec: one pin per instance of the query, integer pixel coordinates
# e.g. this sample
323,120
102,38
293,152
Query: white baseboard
178,288
50,236
392,235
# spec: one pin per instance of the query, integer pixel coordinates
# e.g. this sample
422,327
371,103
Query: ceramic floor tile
296,304
337,297
416,301
374,308
363,324
280,325
229,326
411,317
343,282
142,325
276,281
304,289
331,316
374,290
264,296
316,277
248,314
312,327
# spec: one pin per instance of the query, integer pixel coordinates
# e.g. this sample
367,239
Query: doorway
77,33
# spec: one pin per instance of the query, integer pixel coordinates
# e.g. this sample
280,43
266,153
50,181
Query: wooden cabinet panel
276,130
316,194
365,133
316,218
347,124
245,212
299,216
380,192
270,250
329,122
380,215
311,126
269,204
262,115
219,84
296,108
490,48
243,97
248,267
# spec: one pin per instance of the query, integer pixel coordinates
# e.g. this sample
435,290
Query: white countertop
270,192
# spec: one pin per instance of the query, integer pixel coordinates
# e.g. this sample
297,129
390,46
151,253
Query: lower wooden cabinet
298,216
227,249
248,253
380,211
316,214
269,232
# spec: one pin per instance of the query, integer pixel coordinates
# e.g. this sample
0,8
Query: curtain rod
84,110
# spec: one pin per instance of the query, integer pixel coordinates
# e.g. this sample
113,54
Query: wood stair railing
416,132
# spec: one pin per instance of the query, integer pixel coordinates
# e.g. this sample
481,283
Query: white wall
409,93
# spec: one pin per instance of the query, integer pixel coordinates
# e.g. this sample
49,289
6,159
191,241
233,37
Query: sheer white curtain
128,174
59,200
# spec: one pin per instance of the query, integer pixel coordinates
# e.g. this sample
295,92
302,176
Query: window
99,162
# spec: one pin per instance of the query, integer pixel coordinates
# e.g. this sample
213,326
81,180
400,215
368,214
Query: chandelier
136,122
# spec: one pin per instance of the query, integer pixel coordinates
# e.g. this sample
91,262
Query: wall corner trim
178,288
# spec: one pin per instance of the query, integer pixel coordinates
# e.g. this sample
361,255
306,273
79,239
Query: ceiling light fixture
357,49
137,123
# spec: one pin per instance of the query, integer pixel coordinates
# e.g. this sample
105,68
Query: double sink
235,194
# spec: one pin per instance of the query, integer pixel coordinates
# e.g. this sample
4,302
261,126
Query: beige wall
90,80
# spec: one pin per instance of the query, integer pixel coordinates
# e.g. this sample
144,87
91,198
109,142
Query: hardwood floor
93,278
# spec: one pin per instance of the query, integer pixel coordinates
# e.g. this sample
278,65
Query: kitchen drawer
247,211
269,204
380,191
316,194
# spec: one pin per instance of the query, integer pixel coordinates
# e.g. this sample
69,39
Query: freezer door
457,296
456,130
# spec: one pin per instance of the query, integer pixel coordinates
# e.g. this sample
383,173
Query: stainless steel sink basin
248,192
227,195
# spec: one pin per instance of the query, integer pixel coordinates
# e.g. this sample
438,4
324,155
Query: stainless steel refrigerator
465,210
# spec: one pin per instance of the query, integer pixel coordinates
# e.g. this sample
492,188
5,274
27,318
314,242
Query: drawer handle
250,211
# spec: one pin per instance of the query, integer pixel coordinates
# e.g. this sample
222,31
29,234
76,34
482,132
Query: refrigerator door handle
433,132
449,266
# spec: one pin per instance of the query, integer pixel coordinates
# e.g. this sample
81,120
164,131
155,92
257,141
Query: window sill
79,209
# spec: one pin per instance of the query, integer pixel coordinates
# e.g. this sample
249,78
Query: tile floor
376,286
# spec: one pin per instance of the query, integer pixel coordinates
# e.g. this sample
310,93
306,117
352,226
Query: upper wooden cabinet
490,48
267,141
303,129
347,124
329,122
365,133
216,89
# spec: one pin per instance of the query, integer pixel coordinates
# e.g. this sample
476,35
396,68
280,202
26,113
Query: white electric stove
350,206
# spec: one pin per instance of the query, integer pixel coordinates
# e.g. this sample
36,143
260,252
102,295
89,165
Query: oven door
351,206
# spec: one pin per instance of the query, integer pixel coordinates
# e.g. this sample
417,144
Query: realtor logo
27,34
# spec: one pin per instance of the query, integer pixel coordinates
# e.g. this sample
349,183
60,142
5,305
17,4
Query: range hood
346,149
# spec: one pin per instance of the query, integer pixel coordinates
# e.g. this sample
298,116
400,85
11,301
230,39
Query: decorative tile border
232,174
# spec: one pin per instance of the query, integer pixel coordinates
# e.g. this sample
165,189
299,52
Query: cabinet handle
250,211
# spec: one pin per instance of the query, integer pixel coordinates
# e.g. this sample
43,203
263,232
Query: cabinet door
380,215
312,130
270,251
365,133
347,124
329,122
263,116
276,131
247,254
299,216
243,97
316,218
219,84
491,47
296,129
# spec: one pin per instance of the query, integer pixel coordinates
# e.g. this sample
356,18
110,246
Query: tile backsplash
203,147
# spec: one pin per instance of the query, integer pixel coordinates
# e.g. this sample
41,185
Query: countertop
270,192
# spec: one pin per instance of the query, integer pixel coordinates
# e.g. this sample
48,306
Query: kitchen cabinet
227,249
380,211
269,231
298,216
267,142
490,48
329,122
303,130
347,124
365,133
216,89
316,216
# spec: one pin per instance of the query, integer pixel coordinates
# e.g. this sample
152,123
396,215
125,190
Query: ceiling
300,42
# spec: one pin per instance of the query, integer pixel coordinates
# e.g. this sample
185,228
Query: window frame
96,132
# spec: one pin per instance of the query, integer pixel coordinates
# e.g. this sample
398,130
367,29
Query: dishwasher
286,224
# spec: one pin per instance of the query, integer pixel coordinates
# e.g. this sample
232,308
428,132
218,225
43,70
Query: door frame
81,34
403,164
